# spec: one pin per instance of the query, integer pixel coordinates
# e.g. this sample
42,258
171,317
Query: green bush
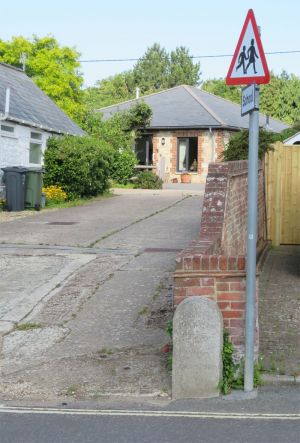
148,180
80,165
238,145
123,165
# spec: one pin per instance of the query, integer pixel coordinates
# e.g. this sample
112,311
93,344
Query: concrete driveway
91,288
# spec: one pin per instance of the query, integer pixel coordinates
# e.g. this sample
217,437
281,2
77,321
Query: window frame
148,150
187,161
4,133
36,141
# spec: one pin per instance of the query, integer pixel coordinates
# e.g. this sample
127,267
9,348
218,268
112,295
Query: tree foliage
280,98
111,90
182,69
155,70
219,87
151,72
53,68
122,128
120,132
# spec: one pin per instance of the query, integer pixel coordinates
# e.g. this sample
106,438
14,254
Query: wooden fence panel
282,172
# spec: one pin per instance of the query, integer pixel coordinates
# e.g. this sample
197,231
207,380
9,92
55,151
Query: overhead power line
107,60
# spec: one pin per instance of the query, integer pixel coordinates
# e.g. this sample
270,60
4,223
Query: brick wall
214,265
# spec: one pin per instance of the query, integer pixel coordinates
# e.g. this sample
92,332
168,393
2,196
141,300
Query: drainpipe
212,144
7,101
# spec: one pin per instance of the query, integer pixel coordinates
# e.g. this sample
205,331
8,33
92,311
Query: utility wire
192,56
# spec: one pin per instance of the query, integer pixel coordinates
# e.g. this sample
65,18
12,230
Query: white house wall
14,149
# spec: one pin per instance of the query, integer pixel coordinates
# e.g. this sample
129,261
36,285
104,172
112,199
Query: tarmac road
272,417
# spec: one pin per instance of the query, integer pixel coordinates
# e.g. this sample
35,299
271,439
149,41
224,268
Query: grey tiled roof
190,107
31,106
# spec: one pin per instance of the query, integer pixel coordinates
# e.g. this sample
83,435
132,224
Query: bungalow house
189,129
28,117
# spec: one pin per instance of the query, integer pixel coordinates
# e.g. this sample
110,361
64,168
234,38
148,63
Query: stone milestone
197,349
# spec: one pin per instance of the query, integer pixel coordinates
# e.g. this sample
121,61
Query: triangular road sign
248,64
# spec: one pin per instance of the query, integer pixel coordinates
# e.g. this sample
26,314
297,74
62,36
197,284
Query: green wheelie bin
33,187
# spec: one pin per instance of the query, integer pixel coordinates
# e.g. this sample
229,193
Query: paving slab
279,311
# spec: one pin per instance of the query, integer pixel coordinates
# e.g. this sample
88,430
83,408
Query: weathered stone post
197,349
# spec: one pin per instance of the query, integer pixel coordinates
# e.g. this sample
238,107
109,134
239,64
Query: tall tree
182,69
152,70
54,69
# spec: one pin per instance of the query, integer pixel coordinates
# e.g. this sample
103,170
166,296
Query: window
36,136
7,129
35,148
35,153
187,154
144,150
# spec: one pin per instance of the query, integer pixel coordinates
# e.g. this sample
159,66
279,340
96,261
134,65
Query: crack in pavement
116,231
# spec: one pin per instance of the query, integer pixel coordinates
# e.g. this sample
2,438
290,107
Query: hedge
80,165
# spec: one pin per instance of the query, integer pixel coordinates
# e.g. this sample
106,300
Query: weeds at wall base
233,373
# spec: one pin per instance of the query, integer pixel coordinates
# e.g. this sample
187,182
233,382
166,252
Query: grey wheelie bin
14,179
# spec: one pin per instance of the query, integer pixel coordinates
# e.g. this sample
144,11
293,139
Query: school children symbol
250,55
248,64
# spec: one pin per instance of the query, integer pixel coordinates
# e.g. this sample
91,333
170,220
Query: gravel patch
6,216
9,216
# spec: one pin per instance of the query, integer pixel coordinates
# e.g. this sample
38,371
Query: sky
125,29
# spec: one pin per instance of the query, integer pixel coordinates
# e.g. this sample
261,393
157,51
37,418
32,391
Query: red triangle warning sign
248,64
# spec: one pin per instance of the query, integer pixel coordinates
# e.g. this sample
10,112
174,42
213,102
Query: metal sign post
249,67
251,245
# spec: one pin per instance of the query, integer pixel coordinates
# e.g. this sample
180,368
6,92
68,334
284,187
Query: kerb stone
197,349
